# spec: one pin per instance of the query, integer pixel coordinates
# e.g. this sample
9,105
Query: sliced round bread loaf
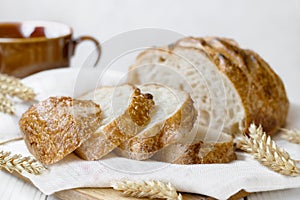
231,87
125,111
173,118
218,149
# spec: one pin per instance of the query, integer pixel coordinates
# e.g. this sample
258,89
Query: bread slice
217,148
232,87
172,120
125,112
55,127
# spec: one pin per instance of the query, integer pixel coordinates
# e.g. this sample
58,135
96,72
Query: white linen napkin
216,180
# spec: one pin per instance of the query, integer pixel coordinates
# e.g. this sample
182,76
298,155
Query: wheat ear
149,189
9,80
6,105
20,163
291,135
12,86
265,150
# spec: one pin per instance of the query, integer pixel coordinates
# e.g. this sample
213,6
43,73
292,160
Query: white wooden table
271,27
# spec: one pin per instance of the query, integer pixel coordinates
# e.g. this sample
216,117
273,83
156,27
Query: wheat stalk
149,189
17,90
13,87
9,80
265,150
20,163
6,105
291,135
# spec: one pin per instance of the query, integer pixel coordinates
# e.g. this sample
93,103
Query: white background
270,27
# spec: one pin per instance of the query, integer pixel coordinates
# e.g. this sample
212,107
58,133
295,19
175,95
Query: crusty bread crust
260,88
122,128
172,129
57,126
205,149
206,153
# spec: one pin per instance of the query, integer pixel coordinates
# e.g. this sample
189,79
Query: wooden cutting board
110,194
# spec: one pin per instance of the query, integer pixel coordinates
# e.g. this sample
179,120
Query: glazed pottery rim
43,23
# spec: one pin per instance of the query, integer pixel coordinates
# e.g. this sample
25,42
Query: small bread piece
230,86
125,111
173,119
55,127
205,149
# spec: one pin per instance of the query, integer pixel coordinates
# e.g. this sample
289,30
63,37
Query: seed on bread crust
140,107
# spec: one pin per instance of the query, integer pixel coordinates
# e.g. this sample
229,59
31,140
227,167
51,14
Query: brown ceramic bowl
32,46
